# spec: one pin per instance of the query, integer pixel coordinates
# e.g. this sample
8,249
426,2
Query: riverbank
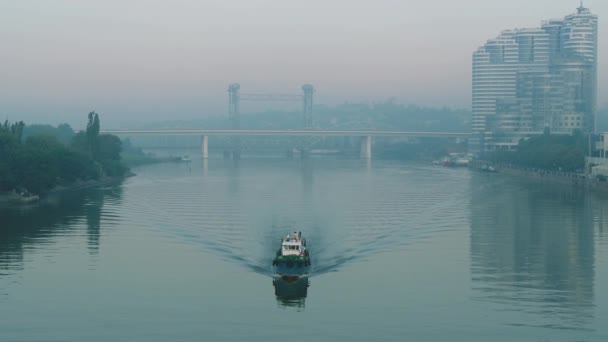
18,198
139,159
90,183
566,178
14,197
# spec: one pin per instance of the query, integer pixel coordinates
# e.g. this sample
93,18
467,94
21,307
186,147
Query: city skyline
143,60
528,80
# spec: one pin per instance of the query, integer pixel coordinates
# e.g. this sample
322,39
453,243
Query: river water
400,250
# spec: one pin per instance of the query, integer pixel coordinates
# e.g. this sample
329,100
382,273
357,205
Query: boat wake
242,220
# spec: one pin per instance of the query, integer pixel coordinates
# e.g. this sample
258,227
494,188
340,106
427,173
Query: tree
549,152
110,147
103,149
63,132
92,135
15,129
43,161
37,163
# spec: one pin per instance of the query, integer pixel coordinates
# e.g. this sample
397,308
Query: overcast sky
128,59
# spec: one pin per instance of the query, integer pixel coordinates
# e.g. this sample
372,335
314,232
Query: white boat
457,159
292,258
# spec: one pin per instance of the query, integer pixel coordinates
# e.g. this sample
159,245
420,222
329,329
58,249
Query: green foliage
79,142
114,168
38,163
14,131
92,135
104,149
549,152
74,165
109,147
7,179
64,133
45,160
10,138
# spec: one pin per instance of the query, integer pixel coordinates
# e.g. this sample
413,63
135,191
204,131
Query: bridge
366,144
306,99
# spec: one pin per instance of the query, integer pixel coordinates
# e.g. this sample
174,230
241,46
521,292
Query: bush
43,160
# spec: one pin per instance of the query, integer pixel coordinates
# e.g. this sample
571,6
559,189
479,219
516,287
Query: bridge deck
245,132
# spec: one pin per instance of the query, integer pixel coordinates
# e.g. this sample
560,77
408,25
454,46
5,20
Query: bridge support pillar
366,147
205,146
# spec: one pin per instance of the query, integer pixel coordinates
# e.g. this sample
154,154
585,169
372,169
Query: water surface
400,250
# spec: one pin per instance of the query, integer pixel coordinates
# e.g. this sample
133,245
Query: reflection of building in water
532,247
291,291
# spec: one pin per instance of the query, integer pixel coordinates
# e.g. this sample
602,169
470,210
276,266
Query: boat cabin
293,244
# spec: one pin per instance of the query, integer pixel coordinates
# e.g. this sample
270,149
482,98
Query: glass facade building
527,81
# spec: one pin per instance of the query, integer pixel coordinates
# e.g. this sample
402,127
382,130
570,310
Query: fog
133,61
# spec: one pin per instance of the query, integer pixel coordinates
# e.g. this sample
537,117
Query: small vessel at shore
455,159
487,168
292,258
21,196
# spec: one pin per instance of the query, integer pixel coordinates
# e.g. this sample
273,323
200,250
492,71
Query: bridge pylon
234,102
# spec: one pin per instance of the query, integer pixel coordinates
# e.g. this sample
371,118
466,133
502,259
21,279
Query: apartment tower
529,81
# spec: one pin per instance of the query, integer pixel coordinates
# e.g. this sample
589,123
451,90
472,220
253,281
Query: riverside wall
582,180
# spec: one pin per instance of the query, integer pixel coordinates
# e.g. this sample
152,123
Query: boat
176,159
325,151
461,161
21,196
447,162
319,151
457,159
292,258
487,169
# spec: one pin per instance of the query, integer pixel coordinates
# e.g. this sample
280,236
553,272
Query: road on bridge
251,132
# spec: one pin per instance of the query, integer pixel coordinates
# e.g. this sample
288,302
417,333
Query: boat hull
291,268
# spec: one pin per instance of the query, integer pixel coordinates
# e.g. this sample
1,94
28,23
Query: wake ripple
346,213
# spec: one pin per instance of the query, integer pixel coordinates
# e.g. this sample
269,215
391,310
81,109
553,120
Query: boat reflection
291,291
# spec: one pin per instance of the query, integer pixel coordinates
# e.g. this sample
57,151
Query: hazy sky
174,59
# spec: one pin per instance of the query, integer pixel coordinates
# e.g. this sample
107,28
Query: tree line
549,152
40,157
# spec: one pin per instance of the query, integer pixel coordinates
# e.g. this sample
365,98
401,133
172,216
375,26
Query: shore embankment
16,197
582,180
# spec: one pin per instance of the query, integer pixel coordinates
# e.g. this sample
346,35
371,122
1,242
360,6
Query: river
400,251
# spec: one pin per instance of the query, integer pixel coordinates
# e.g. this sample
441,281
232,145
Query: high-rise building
527,81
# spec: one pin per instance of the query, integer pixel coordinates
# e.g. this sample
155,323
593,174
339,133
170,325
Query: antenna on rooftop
582,9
